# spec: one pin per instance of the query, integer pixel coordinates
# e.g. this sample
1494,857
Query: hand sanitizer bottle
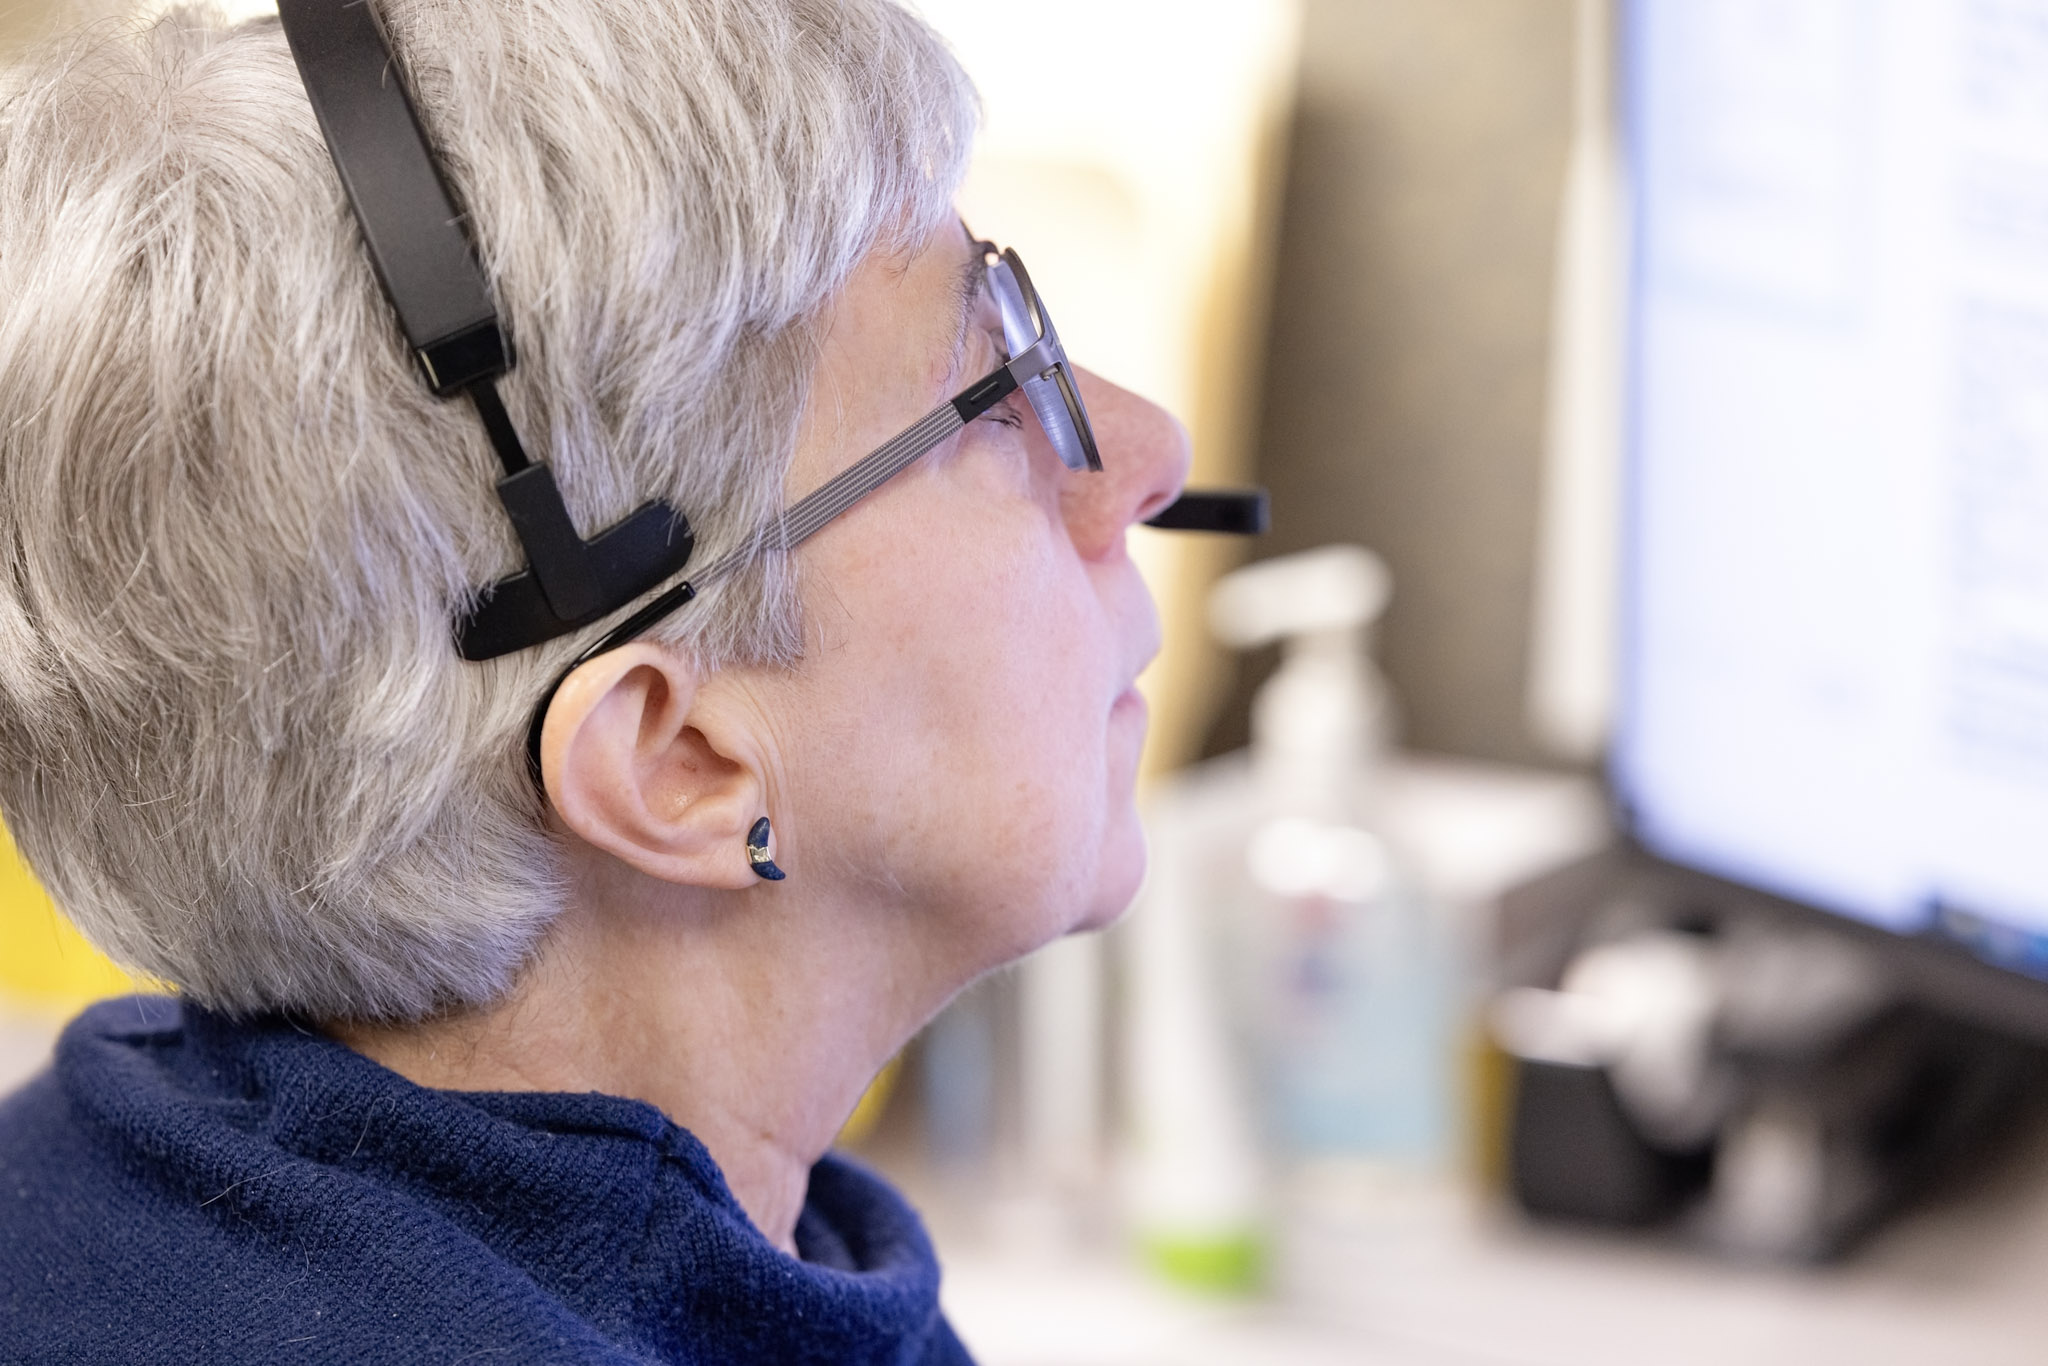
1287,995
1345,988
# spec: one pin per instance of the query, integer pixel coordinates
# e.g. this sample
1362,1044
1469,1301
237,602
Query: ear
631,769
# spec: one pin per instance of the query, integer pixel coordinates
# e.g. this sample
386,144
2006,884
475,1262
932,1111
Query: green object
1227,1266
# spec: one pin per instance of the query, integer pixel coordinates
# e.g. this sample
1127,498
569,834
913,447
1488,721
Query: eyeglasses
1037,365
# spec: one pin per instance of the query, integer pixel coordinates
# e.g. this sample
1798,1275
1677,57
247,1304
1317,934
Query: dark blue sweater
182,1188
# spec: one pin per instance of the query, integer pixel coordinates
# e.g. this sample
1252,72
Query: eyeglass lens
1053,395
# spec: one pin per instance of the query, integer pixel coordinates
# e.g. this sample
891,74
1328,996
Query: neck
753,1019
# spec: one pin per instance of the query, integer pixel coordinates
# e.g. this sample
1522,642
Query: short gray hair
236,742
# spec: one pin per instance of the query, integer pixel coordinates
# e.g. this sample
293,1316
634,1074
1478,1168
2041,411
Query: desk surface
1431,1278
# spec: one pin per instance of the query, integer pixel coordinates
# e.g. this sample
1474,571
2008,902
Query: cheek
1034,762
962,744
1030,694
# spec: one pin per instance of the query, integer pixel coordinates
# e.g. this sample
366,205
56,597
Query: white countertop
1432,1279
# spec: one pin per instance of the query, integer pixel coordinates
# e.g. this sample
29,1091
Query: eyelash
1004,414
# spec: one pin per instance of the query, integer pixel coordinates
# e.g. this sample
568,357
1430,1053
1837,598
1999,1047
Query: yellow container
46,967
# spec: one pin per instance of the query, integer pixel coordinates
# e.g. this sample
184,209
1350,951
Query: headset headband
424,260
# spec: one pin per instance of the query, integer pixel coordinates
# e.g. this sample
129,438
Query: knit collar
603,1202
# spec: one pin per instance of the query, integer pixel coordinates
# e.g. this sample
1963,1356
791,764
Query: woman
465,1065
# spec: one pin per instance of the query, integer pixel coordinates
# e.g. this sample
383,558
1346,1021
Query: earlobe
634,766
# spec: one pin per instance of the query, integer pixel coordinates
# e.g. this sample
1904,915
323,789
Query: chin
1120,870
1120,874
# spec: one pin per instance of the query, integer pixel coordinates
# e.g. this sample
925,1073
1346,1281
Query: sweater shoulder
109,1253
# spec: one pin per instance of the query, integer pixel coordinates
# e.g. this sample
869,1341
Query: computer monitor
1835,619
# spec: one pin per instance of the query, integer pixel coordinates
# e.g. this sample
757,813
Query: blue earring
757,852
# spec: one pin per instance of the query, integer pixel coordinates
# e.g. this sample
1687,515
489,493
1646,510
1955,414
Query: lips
1146,635
1150,653
1130,696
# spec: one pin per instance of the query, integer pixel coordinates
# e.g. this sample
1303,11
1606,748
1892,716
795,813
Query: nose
1145,455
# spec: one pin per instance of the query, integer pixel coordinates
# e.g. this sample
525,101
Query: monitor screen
1835,619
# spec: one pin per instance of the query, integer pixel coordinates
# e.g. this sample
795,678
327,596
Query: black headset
429,271
427,265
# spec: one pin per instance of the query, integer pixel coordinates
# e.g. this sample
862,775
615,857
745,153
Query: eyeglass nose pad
1053,400
1056,402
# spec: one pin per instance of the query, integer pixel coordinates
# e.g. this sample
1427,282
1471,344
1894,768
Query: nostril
1158,502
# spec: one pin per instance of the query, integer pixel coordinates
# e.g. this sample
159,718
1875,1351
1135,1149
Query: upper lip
1144,663
1150,638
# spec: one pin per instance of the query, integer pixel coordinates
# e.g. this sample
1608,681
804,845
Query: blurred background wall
1404,388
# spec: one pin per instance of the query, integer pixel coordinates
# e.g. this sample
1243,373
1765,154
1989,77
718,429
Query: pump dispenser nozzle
1334,588
1322,720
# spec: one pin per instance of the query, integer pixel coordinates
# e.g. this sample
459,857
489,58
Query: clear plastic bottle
1346,980
1293,995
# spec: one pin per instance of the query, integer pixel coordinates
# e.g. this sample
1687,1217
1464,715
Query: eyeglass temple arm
1238,512
809,514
